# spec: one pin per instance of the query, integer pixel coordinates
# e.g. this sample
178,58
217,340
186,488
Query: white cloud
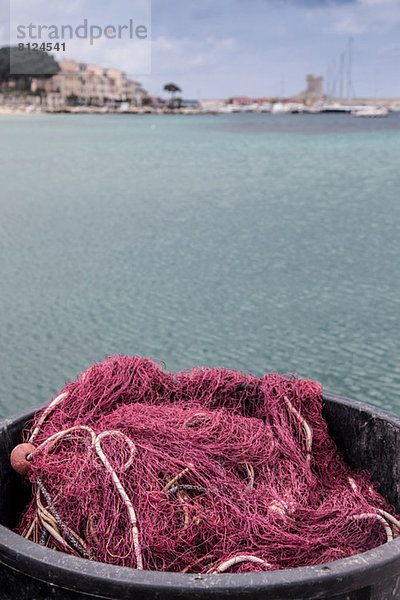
42,10
184,54
168,55
379,2
357,18
347,24
131,56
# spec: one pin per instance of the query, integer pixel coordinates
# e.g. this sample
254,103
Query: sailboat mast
349,68
341,75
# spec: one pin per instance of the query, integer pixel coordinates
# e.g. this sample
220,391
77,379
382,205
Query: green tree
21,65
172,88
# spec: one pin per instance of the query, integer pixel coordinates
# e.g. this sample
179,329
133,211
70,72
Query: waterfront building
313,92
212,104
89,84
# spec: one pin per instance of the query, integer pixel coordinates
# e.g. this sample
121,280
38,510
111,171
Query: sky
225,48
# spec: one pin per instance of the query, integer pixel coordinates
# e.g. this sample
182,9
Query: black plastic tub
369,439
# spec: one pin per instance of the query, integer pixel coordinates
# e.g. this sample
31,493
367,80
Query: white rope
53,532
95,442
250,473
120,488
45,413
383,513
390,518
384,523
278,506
304,424
352,483
50,524
236,560
172,482
65,433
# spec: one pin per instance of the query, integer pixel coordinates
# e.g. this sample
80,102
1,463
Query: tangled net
204,471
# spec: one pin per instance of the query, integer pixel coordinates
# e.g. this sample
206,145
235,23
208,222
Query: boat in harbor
370,111
335,107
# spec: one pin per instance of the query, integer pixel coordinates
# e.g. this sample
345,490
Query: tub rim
79,574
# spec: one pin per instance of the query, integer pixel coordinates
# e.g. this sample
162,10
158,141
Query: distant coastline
96,110
358,108
75,87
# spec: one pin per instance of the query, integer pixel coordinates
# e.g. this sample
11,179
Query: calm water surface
256,242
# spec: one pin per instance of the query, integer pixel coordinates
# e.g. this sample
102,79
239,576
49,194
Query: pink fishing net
203,471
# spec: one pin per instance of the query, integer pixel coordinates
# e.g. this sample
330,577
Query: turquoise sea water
255,242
